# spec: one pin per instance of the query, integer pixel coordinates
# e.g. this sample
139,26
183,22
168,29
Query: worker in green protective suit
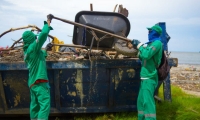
150,56
38,82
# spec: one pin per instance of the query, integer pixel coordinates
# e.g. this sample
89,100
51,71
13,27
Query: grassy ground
182,107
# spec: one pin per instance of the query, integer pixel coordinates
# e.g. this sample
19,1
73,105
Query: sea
192,58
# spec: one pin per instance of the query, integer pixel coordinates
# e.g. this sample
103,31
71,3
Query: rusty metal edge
25,111
2,94
57,88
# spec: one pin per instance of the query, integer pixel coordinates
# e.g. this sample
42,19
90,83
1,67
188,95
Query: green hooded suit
35,60
150,57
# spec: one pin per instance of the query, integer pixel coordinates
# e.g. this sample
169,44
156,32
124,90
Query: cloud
185,21
179,15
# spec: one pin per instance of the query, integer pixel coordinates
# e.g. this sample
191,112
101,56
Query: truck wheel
120,47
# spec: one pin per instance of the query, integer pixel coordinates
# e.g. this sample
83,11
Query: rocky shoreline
186,77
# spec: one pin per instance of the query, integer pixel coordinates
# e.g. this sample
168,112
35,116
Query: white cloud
184,21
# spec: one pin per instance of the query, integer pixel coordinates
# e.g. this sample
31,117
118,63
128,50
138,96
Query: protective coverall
150,57
38,79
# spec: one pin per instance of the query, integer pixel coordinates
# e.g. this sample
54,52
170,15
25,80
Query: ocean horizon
192,58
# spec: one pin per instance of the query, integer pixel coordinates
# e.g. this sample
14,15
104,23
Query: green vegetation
182,107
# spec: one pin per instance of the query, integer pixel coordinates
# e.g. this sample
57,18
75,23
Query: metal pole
69,45
166,83
95,29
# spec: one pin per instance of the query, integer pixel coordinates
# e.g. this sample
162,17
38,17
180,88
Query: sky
182,18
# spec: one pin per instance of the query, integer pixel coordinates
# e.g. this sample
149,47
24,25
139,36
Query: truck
105,81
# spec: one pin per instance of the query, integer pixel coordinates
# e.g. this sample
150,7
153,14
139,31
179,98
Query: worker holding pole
38,81
150,57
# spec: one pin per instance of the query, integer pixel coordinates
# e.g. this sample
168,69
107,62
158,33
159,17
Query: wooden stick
111,53
29,26
15,43
115,7
11,48
91,7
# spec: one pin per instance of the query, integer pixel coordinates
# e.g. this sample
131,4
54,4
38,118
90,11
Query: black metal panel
115,23
76,86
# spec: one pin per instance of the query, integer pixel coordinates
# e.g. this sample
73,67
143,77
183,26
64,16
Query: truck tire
120,47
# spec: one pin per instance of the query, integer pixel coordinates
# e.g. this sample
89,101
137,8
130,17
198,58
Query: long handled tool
92,28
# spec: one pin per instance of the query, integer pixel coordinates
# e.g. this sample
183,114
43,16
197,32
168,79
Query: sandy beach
187,77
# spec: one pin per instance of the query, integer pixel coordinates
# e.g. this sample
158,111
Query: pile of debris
117,46
18,56
186,76
11,55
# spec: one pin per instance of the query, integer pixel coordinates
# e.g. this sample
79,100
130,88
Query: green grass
182,107
108,116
